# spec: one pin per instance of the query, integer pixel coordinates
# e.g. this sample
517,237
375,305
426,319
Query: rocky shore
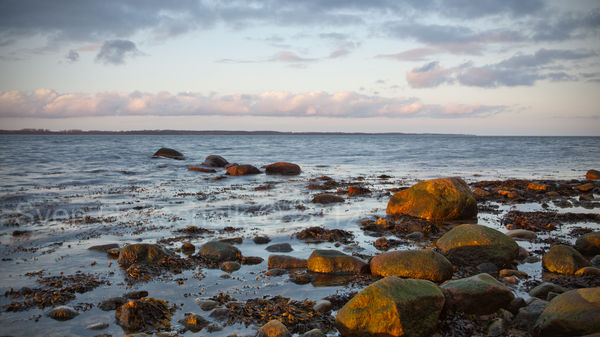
431,268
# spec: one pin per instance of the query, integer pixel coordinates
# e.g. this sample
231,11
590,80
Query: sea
61,194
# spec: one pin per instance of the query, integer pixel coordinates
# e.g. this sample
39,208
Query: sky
487,67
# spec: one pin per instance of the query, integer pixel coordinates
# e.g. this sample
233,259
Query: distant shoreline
212,132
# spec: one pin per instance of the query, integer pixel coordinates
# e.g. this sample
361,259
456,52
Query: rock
143,314
273,328
480,294
112,303
435,200
261,239
276,272
417,264
516,304
415,236
521,234
104,248
588,271
354,191
188,248
325,198
168,153
230,266
480,193
283,168
252,260
285,262
513,272
497,327
508,194
280,248
220,251
215,161
392,307
527,315
62,313
242,170
97,326
592,175
588,244
201,169
313,333
488,268
574,313
542,290
562,259
322,306
193,322
206,304
585,187
304,278
143,253
595,261
537,187
472,244
334,262
134,295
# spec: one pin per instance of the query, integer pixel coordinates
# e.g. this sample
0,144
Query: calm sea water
50,184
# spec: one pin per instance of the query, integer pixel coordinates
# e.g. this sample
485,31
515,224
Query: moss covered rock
143,253
480,294
220,251
436,199
574,313
563,259
392,307
472,244
418,264
334,262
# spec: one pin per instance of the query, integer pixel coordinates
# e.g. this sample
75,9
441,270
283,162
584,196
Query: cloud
567,25
46,103
518,70
72,56
115,51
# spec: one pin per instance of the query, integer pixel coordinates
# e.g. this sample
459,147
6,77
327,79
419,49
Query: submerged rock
280,248
104,248
220,251
574,313
111,303
242,170
143,314
435,200
334,262
283,168
588,244
142,253
285,262
325,198
62,313
168,153
273,328
472,244
392,307
480,294
215,161
418,264
563,259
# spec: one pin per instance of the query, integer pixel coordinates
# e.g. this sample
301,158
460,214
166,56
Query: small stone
537,187
527,315
193,322
62,313
143,314
97,326
513,272
334,261
497,327
415,236
595,261
592,175
242,170
188,248
214,327
280,248
325,198
206,304
487,267
516,304
252,260
112,303
521,234
585,187
135,295
230,266
480,294
322,306
220,251
283,168
273,328
542,290
261,240
215,161
201,169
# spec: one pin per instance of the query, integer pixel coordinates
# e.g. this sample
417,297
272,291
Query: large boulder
574,313
220,251
145,314
588,244
332,261
215,161
480,294
143,253
472,244
418,264
283,168
563,259
435,200
392,307
242,170
168,153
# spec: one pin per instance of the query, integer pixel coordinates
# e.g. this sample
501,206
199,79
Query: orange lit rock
144,253
283,168
592,175
201,169
418,264
242,170
563,259
143,314
334,262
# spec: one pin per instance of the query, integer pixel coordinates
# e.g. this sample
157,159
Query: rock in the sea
574,313
472,244
230,266
97,326
280,248
215,161
111,303
542,290
563,259
285,262
201,169
480,294
261,239
142,253
193,322
592,175
252,260
242,170
436,199
273,328
104,248
62,313
206,304
521,234
588,244
325,198
188,248
168,153
585,187
283,168
392,307
143,314
220,251
332,261
418,264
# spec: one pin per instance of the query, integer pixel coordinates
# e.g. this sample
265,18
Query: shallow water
50,184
